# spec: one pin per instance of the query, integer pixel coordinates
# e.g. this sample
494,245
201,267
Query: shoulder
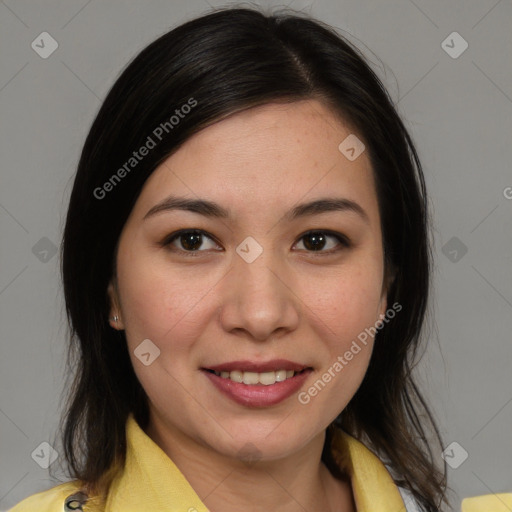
490,502
51,500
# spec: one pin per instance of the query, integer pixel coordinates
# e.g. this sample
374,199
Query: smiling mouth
255,378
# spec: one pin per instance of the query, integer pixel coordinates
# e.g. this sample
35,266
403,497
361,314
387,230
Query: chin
261,444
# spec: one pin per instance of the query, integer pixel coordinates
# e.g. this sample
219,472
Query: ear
115,309
383,304
386,285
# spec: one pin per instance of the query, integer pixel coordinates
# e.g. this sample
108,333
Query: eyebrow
215,210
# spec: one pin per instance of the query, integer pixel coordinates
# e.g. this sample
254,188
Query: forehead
265,157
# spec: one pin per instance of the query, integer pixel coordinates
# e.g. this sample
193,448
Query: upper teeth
266,378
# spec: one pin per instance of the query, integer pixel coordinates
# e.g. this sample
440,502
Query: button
75,502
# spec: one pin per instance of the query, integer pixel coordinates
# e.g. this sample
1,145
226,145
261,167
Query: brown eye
317,241
190,240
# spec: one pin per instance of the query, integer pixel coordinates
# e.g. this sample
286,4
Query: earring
115,318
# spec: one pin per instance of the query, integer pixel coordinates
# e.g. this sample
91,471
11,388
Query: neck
297,483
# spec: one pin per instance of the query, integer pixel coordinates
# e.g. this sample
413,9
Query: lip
258,367
258,395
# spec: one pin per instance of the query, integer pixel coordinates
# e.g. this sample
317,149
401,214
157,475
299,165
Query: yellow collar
152,482
373,488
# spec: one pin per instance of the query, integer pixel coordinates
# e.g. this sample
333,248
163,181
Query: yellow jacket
151,482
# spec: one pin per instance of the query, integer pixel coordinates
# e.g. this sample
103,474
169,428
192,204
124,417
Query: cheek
347,303
343,316
158,302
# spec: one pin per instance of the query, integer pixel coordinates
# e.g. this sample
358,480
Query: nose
258,299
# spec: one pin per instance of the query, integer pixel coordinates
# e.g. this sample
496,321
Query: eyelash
342,239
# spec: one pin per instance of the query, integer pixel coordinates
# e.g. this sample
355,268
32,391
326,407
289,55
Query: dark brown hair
228,61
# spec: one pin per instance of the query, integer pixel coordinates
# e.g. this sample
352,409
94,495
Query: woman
246,270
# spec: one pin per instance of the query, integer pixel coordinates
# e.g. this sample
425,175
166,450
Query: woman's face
249,295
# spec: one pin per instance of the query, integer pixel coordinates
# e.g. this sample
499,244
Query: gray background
457,109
